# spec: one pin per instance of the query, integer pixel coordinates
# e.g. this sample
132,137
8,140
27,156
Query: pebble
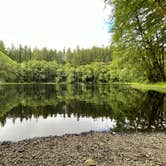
105,148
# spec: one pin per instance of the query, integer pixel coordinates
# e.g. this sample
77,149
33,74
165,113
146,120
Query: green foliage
139,38
90,73
37,71
8,68
47,65
123,68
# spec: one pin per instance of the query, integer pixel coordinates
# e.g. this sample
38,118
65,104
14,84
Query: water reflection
23,107
147,113
29,128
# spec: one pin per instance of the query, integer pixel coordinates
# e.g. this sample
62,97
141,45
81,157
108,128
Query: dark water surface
28,111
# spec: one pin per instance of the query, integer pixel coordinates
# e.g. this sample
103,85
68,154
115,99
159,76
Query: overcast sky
53,23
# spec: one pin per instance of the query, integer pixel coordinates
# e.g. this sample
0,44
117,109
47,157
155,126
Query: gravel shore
105,148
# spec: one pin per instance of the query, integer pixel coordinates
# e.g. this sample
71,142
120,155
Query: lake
28,111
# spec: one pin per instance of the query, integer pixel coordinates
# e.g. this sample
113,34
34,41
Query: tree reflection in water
131,109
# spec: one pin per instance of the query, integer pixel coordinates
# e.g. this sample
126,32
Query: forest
46,65
137,52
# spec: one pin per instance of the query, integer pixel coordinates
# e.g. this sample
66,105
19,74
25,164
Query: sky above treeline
54,23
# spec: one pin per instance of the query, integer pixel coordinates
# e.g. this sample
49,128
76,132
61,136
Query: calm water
28,111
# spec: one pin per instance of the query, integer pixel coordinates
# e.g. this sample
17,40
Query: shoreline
106,148
160,87
86,133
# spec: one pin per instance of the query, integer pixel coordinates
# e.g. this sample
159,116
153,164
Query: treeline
94,65
75,57
48,65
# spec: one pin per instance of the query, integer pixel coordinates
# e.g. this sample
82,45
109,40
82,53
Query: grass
5,60
160,86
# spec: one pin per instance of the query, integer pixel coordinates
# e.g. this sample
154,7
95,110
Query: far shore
159,86
105,148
